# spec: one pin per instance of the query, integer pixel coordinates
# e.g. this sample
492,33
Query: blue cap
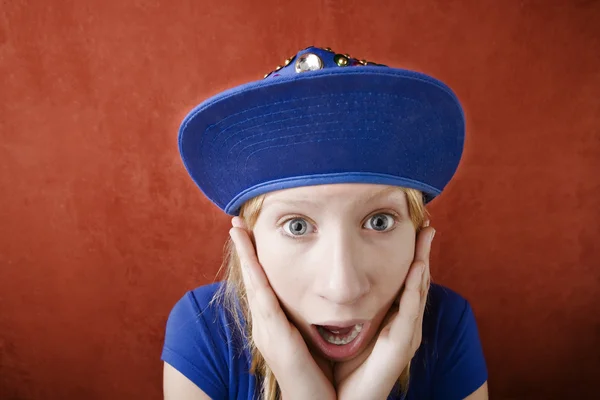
323,118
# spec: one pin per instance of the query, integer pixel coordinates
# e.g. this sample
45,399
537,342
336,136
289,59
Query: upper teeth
325,334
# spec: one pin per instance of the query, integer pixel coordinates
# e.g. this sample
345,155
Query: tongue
337,330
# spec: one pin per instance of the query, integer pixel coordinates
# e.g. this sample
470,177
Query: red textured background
101,230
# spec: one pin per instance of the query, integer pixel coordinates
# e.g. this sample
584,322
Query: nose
343,278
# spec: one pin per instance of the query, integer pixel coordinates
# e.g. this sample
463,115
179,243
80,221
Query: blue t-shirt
201,343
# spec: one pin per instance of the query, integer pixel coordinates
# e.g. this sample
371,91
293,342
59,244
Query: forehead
351,192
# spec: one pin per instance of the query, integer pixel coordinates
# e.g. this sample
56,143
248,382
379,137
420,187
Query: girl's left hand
374,375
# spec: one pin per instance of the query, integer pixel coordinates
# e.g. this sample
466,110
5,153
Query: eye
296,227
380,222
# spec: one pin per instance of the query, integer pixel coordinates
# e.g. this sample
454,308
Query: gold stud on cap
341,60
308,62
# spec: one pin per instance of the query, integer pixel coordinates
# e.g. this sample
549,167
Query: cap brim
362,124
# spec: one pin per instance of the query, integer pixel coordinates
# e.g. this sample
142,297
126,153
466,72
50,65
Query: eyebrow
385,192
296,202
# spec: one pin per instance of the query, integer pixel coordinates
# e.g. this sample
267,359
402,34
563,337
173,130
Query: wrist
307,388
306,395
373,390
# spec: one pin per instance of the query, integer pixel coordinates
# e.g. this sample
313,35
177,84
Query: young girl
326,166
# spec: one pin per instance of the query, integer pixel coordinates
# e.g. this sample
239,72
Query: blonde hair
232,294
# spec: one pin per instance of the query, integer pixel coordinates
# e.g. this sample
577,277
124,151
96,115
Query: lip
341,353
343,324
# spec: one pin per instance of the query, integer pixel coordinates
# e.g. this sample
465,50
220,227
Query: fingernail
432,236
426,223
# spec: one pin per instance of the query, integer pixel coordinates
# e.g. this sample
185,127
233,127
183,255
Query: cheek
396,262
392,264
282,264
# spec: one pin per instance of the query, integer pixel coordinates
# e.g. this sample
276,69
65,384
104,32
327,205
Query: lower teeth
340,341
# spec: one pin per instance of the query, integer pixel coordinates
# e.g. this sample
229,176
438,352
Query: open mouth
340,343
339,336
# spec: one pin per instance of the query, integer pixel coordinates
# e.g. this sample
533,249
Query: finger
238,222
238,243
411,296
425,283
410,304
426,280
418,274
406,327
423,245
250,291
403,326
262,301
422,251
247,255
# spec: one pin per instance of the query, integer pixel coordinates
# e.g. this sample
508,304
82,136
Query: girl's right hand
278,340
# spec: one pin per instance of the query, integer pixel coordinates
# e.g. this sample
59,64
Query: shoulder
445,306
204,294
444,296
193,307
200,340
201,313
443,310
199,298
448,319
451,362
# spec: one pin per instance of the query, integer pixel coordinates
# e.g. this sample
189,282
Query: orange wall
101,230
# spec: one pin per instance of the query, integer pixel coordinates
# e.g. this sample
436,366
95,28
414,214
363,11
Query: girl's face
336,256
